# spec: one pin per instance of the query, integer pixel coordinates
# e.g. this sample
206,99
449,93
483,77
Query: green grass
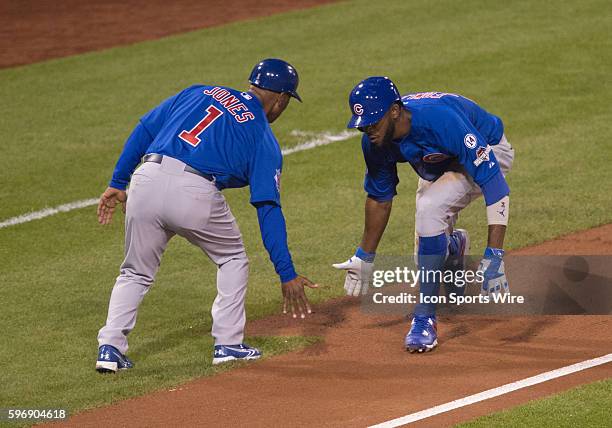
583,406
542,67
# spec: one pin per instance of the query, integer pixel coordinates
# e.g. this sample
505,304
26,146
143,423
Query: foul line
315,140
495,392
48,212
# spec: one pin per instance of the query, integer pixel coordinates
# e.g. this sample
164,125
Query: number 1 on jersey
192,137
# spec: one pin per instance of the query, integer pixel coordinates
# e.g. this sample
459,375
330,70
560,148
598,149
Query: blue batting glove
492,267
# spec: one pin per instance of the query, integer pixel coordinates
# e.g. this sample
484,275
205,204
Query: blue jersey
218,131
448,132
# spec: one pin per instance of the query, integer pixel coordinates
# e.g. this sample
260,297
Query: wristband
498,212
493,253
366,257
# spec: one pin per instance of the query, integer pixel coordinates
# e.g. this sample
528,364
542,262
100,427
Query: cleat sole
106,367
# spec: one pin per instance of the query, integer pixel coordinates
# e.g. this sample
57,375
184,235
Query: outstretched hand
358,274
108,201
294,297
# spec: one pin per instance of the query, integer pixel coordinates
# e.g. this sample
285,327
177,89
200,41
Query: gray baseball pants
164,200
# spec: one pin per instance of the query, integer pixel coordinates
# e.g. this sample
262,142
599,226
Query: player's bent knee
430,217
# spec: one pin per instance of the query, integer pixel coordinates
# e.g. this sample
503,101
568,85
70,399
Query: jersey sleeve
460,138
265,167
139,141
274,235
381,180
134,149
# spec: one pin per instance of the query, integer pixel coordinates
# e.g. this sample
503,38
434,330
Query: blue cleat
224,353
458,260
423,335
110,360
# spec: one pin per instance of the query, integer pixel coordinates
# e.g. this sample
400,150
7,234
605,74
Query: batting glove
492,268
358,272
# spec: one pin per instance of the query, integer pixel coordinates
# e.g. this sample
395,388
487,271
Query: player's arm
380,184
139,141
377,215
264,183
134,149
274,236
478,159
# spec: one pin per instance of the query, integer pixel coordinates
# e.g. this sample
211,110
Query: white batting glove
492,267
358,275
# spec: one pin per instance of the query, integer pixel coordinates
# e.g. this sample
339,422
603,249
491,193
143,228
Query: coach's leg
226,249
219,237
145,242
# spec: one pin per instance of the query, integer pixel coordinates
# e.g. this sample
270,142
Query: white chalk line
495,392
315,140
36,215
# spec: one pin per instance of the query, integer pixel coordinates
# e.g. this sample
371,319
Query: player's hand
108,201
294,298
492,267
358,275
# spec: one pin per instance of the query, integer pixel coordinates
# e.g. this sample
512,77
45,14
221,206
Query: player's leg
437,208
145,242
217,234
432,227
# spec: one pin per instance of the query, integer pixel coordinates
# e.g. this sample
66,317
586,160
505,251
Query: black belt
154,157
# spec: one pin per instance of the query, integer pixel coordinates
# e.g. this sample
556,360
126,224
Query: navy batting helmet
276,75
370,100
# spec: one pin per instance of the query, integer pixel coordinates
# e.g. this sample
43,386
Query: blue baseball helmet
370,100
276,75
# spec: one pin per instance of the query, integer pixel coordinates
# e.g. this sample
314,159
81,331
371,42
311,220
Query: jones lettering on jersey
235,109
219,95
212,91
231,103
244,117
482,155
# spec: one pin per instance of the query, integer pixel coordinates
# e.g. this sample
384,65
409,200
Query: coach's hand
108,201
493,272
294,297
358,274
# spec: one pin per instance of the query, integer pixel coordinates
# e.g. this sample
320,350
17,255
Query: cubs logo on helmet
370,100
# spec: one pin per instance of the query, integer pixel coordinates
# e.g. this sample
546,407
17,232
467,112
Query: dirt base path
360,373
37,30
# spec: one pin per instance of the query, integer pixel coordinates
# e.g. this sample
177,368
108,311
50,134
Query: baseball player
193,145
459,152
